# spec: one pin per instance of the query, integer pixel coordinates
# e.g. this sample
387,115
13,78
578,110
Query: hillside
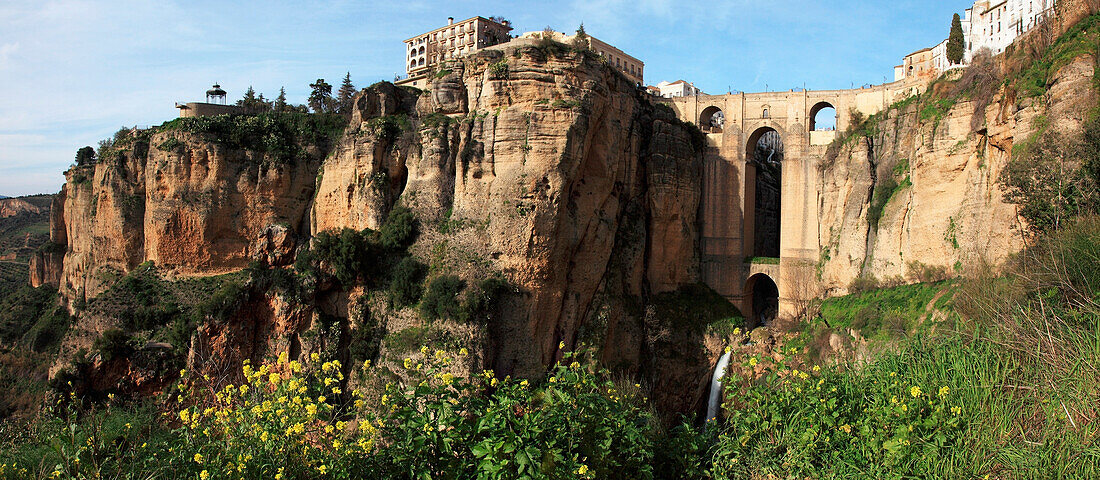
24,227
500,277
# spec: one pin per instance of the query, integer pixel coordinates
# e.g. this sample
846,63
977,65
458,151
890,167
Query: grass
909,302
1081,39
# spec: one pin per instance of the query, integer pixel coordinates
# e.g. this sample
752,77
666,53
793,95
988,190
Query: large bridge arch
763,192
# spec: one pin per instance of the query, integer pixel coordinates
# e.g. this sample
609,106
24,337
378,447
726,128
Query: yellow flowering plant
831,423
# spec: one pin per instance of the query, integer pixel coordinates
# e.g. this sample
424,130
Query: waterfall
715,399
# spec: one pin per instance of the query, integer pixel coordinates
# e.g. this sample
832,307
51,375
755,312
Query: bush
407,284
288,419
283,136
400,229
482,299
112,344
498,70
348,254
1055,178
440,301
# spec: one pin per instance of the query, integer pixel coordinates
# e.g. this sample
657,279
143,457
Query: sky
72,72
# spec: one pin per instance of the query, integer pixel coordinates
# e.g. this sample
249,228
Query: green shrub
400,229
283,136
441,301
349,254
482,299
407,284
112,344
389,127
499,70
48,331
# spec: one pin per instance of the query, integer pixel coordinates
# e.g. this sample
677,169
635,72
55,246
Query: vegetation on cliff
993,375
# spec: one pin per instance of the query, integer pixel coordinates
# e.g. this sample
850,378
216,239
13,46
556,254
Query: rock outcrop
947,211
552,168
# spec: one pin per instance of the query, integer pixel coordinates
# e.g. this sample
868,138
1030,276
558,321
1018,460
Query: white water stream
715,399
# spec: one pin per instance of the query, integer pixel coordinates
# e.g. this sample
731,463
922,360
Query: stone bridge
760,235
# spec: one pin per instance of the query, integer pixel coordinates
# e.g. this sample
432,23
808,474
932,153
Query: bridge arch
712,119
762,300
763,192
823,109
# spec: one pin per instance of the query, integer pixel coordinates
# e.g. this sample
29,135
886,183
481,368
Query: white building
678,88
995,24
992,24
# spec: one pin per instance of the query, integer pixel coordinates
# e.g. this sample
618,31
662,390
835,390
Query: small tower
216,95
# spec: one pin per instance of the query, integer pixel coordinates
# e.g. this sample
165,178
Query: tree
85,156
320,100
580,40
956,42
345,95
280,101
254,104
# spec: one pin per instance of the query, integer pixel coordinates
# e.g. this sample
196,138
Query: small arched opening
763,184
421,62
712,120
412,63
823,117
763,296
421,50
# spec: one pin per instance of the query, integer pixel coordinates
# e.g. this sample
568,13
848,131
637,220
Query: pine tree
280,101
320,99
580,40
345,94
956,42
249,98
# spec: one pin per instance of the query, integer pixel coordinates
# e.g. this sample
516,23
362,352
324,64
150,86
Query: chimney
450,20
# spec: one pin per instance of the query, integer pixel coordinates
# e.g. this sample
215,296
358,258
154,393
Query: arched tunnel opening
764,295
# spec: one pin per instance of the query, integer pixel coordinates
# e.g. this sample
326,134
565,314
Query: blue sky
73,71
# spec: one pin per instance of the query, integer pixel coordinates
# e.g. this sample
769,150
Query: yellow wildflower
198,458
915,391
314,357
462,351
203,475
944,391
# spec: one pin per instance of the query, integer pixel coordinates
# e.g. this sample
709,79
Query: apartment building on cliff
456,39
992,24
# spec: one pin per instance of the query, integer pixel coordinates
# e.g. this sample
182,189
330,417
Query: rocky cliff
540,164
915,193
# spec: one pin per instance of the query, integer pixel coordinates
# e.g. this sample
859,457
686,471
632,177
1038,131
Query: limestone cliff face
948,210
196,208
550,168
553,160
